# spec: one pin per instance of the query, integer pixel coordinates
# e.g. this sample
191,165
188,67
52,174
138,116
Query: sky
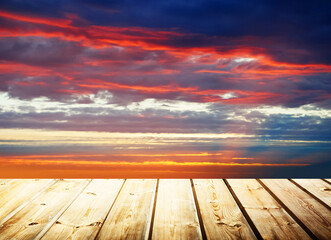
165,89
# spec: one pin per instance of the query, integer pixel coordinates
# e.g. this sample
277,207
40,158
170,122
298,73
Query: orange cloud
203,154
96,83
77,163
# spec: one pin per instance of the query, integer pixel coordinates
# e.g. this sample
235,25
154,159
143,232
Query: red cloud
197,60
65,23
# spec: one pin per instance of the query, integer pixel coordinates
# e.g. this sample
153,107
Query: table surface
165,209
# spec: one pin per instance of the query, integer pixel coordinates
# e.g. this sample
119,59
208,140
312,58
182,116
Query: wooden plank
130,216
27,223
175,212
8,185
315,216
318,188
270,219
221,216
83,219
18,193
328,180
4,181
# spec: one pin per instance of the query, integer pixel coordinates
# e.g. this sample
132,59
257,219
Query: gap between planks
317,195
57,216
150,234
110,209
306,210
243,210
27,202
301,224
202,226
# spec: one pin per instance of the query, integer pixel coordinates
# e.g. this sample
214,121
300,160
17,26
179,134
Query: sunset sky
165,88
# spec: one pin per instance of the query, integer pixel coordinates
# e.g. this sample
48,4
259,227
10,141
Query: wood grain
318,188
27,223
175,213
130,216
328,180
5,181
222,218
271,220
15,194
313,215
84,217
173,209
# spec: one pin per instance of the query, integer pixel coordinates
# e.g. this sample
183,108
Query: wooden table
165,209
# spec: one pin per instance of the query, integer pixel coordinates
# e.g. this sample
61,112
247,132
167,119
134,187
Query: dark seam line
202,227
326,180
303,226
153,212
104,220
26,203
248,219
310,194
42,233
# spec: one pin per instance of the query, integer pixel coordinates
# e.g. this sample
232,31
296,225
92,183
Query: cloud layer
198,67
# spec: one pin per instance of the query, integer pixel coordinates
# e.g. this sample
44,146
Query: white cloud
45,105
100,101
308,110
228,95
243,59
170,105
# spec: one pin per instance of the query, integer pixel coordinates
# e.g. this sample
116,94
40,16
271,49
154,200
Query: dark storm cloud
301,30
301,25
39,51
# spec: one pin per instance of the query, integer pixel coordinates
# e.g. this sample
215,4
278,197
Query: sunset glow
164,89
